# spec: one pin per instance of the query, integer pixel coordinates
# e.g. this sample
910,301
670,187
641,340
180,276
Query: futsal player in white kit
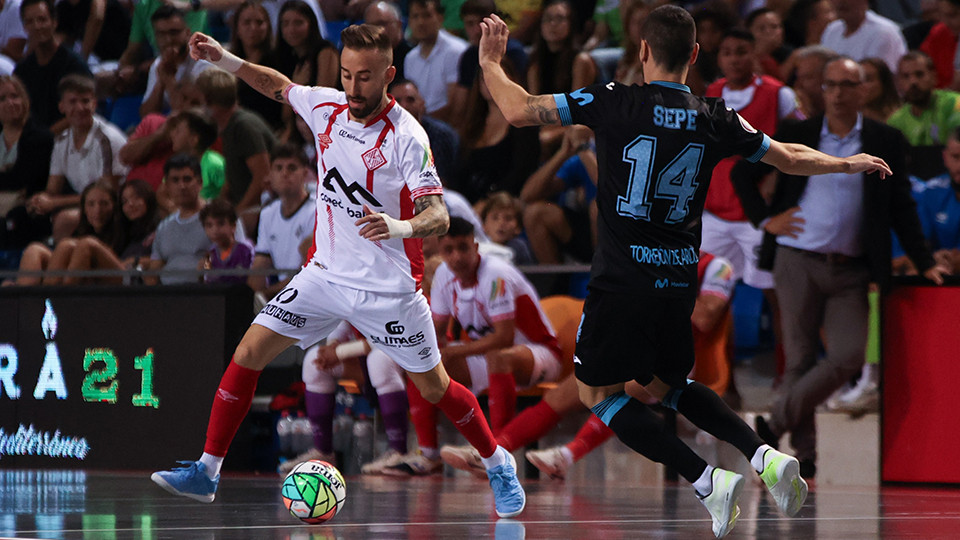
378,195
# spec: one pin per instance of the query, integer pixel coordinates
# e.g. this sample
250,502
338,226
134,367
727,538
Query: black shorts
624,337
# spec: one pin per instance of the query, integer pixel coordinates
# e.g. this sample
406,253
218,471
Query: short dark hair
759,12
459,227
166,11
437,5
183,161
366,36
289,151
399,81
78,84
482,8
200,124
50,8
671,34
738,32
218,87
920,56
219,208
501,200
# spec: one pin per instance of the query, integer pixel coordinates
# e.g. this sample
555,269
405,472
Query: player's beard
366,110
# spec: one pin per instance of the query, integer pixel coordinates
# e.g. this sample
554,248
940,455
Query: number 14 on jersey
675,184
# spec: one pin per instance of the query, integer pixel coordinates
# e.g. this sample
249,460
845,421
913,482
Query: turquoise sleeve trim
762,151
563,108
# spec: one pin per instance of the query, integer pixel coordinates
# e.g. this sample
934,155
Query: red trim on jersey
337,109
705,259
383,114
427,190
286,95
387,128
313,245
530,320
330,230
413,247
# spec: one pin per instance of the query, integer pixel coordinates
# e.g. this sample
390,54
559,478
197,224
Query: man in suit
828,239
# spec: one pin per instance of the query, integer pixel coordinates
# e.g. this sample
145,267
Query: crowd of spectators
198,138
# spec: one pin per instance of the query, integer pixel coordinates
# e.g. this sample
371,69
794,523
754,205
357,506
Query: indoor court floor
74,504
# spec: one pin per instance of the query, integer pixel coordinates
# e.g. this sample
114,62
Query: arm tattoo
541,113
431,216
265,83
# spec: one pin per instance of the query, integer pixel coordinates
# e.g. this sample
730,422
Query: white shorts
399,324
546,368
738,242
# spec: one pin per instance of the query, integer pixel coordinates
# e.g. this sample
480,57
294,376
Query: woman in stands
98,203
494,155
302,54
24,166
253,41
136,223
628,69
880,95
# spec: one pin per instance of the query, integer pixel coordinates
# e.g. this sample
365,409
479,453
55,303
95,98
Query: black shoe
765,433
808,468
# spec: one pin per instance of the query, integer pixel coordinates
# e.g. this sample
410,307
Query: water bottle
343,438
285,434
302,434
362,441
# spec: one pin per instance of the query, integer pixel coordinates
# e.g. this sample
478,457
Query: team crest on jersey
324,140
427,159
498,289
373,159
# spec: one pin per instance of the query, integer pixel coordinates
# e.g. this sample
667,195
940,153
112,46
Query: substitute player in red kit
378,195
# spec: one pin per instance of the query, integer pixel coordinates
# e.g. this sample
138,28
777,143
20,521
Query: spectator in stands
472,12
556,66
939,208
253,42
941,42
928,114
13,38
713,19
387,15
219,221
805,22
89,150
142,46
432,64
98,201
879,90
860,33
148,148
494,155
247,142
180,242
97,30
302,54
193,132
47,62
523,17
608,20
24,166
805,68
767,29
286,223
830,236
512,343
131,245
561,210
444,140
501,214
628,68
173,61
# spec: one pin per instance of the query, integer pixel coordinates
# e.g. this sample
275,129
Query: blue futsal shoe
190,481
507,491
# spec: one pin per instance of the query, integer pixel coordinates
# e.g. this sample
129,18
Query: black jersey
657,145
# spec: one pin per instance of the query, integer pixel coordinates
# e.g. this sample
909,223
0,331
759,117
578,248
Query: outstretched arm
516,104
431,219
267,81
800,160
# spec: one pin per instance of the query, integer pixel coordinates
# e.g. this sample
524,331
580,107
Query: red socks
592,434
230,406
461,407
424,417
531,424
502,400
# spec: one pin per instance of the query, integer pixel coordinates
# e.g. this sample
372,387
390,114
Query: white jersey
501,293
280,237
386,165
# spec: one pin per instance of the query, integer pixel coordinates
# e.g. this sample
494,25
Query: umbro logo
576,360
226,396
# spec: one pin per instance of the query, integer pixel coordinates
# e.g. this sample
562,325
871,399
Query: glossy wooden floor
114,506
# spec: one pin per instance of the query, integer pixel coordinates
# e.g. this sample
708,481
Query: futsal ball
314,491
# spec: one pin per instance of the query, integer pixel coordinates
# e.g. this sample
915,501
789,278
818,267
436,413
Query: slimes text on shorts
660,256
284,316
399,341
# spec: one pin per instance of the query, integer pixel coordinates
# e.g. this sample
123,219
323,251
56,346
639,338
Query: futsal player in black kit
657,145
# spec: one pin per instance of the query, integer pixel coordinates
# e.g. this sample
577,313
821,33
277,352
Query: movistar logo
662,283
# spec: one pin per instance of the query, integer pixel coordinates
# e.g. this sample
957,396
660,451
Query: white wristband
351,349
397,228
229,62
